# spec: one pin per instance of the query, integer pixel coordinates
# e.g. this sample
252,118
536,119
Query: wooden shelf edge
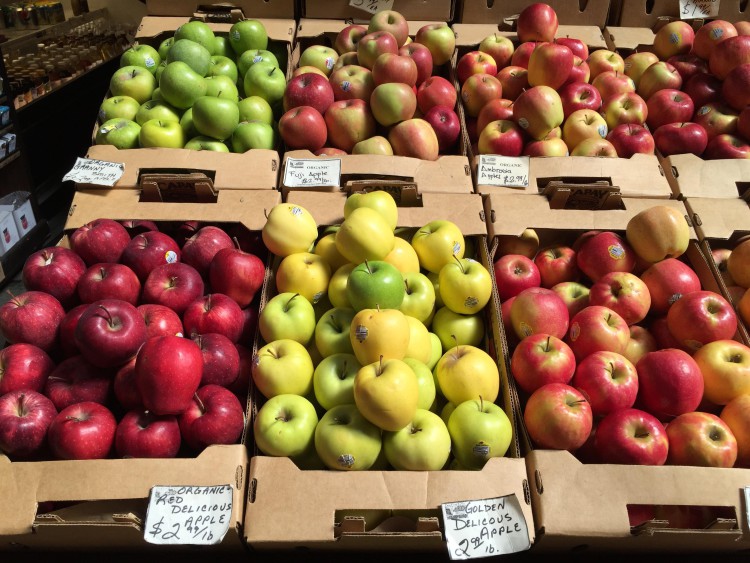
8,159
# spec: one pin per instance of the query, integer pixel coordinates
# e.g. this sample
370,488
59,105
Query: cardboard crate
593,13
357,10
379,510
217,11
110,496
645,13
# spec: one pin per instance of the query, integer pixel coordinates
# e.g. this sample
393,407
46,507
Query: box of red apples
121,400
621,341
370,496
539,91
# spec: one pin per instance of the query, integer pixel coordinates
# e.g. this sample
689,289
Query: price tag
99,172
372,6
690,9
188,515
483,528
507,171
312,172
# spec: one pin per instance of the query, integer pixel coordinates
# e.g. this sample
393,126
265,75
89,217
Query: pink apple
347,39
670,383
303,127
514,80
102,240
603,60
727,146
612,83
125,388
736,88
109,281
214,312
641,343
415,138
604,252
308,89
501,137
608,380
663,337
390,67
149,250
702,439
435,91
729,54
711,34
66,334
221,360
550,65
160,320
668,106
716,119
31,318
688,65
494,110
557,264
538,111
513,274
546,147
82,431
422,57
629,139
478,90
522,54
214,416
349,122
703,89
374,44
173,285
23,366
667,281
579,95
537,22
25,416
700,317
631,437
580,71
539,310
597,329
624,293
446,124
578,47
558,417
541,359
659,76
624,109
200,249
475,62
499,47
352,82
574,295
141,434
110,332
675,38
55,270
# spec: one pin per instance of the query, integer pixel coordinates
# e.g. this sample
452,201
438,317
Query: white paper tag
508,171
484,528
99,172
372,6
312,172
188,515
690,9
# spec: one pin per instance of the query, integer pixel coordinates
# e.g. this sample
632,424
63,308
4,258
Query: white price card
507,171
372,6
188,515
484,528
99,172
690,9
312,172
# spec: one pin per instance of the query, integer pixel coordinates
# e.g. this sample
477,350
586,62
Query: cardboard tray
645,13
590,12
380,510
356,11
284,9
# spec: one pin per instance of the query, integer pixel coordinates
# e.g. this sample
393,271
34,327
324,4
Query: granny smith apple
119,132
333,380
156,96
222,47
253,135
379,200
133,81
223,66
164,47
379,334
422,445
141,55
181,86
158,133
250,58
267,81
158,71
332,332
281,367
337,286
198,32
364,235
206,144
375,284
346,440
419,296
186,122
247,35
215,117
287,316
467,329
289,228
465,286
386,393
222,87
195,55
123,107
285,426
436,243
425,382
255,108
479,430
465,372
153,109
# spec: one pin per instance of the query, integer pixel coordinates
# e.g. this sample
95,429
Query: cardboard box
645,13
8,231
357,10
379,510
593,13
235,9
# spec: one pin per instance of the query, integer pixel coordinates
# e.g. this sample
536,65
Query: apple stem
415,430
546,347
236,243
73,418
198,339
406,285
380,367
453,336
22,411
109,316
644,434
481,403
367,265
201,406
342,375
460,265
270,72
286,307
133,73
377,306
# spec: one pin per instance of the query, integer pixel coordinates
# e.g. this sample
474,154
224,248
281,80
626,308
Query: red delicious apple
670,383
31,318
240,385
147,251
76,380
237,274
494,110
667,281
702,439
308,89
102,240
66,335
250,324
538,310
513,274
185,230
422,57
200,249
502,137
729,54
125,388
55,270
214,312
727,146
110,332
435,91
703,89
160,320
82,431
537,22
688,65
557,264
446,124
681,138
143,434
475,62
604,252
25,416
137,226
624,293
579,95
711,34
701,317
221,360
173,285
303,127
541,359
214,416
668,106
629,139
717,119
23,366
514,80
558,417
109,281
574,295
631,437
597,329
608,381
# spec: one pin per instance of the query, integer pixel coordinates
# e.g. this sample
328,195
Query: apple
237,274
374,44
637,63
546,147
160,320
574,295
541,359
514,273
659,76
82,431
54,270
285,426
721,259
641,342
332,332
456,329
668,106
494,110
537,22
581,125
624,293
595,329
379,333
437,243
109,281
200,249
608,380
287,316
701,439
283,366
580,72
728,54
155,109
142,434
214,312
23,367
346,440
625,108
603,60
439,39
475,62
556,264
386,393
214,416
75,380
266,80
347,39
688,65
348,122
629,139
110,332
419,296
424,444
717,119
174,285
595,147
681,138
375,283
539,310
252,135
380,201
133,81
735,415
364,235
197,31
118,107
723,364
119,132
501,137
33,317
670,383
703,89
465,286
727,146
558,417
526,244
352,82
255,108
25,417
303,127
422,58
675,38
514,80
445,123
222,65
147,251
180,85
308,90
499,47
667,281
102,240
603,253
743,123
221,360
392,103
711,34
657,233
538,110
631,437
478,90
164,134
579,95
700,317
737,264
66,332
522,54
390,67
333,380
612,83
245,35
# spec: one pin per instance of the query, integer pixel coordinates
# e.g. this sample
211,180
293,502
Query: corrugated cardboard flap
694,177
309,27
719,218
346,9
582,12
628,38
471,34
648,12
248,8
152,26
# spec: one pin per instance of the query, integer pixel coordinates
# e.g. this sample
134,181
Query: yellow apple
743,307
737,416
425,382
386,393
434,277
289,228
304,273
465,373
375,333
337,286
583,124
378,200
725,365
447,411
436,349
364,235
465,286
326,248
403,257
738,264
455,328
657,233
420,343
436,243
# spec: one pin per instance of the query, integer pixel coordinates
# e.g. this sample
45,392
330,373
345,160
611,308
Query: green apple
123,107
425,382
422,445
186,122
141,55
285,426
434,277
250,58
379,200
346,440
119,132
255,108
215,117
164,47
181,86
465,286
198,32
289,228
253,135
157,73
479,430
337,286
378,334
375,284
447,411
267,81
287,316
283,367
420,344
332,332
133,81
158,133
436,243
364,235
222,87
223,66
465,372
246,35
195,55
222,48
455,328
386,393
156,96
333,380
436,350
153,109
419,297
206,144
319,56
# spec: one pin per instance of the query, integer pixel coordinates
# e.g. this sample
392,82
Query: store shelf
3,99
17,38
8,159
6,129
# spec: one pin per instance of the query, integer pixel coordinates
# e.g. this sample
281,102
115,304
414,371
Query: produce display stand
381,510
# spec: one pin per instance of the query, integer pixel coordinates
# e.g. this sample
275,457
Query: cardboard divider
645,13
579,12
284,9
356,10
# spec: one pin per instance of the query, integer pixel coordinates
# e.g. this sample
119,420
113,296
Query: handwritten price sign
690,9
188,515
506,171
310,172
372,6
98,172
483,528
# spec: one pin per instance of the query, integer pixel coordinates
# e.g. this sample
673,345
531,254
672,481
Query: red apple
446,124
392,22
513,274
501,137
579,95
729,54
221,360
55,270
149,250
539,310
82,431
641,343
667,281
303,127
629,139
608,380
668,106
717,119
703,89
237,274
727,146
578,47
475,62
494,110
701,317
688,65
102,240
664,338
143,434
23,366
125,388
349,122
670,383
736,88
510,334
659,76
352,82
478,90
597,329
681,138
240,385
604,252
541,359
392,67
631,437
624,293
214,312
250,315
613,83
75,380
214,416
599,148
537,22
538,111
109,281
110,332
173,285
514,80
702,439
711,34
160,320
557,264
25,416
574,295
580,71
374,44
415,138
550,65
522,54
625,108
66,334
435,91
499,47
558,417
31,318
137,226
309,89
347,39
546,147
422,57
200,249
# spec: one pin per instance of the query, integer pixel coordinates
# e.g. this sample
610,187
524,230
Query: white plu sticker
372,6
188,515
507,171
484,528
311,172
98,172
690,9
